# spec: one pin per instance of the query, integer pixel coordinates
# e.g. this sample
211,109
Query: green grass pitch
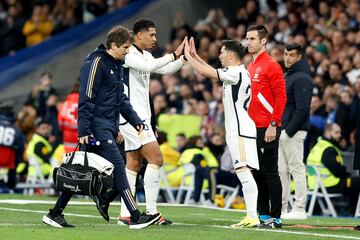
23,221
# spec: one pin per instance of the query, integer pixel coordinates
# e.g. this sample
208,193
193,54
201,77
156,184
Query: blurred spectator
326,156
26,120
11,143
45,91
171,158
39,26
11,27
39,149
205,163
180,142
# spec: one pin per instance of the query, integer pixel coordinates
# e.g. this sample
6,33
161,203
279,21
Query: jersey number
246,102
7,136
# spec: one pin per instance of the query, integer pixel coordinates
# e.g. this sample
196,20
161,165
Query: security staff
39,149
326,155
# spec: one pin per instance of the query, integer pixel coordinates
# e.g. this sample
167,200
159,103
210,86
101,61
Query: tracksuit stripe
91,76
130,200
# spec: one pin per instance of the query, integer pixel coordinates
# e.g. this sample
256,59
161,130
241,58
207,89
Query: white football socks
131,177
151,186
250,191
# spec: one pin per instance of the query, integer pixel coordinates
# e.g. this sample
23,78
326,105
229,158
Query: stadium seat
189,170
36,180
319,194
164,185
229,193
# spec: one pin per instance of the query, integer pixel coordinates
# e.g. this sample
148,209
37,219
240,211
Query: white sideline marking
117,203
186,224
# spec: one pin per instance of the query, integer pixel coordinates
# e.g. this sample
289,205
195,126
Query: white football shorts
243,151
134,140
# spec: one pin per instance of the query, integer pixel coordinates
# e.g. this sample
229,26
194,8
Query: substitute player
139,63
240,128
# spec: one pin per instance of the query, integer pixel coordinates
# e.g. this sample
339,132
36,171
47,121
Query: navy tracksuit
101,101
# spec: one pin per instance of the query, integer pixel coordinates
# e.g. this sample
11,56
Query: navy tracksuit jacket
102,96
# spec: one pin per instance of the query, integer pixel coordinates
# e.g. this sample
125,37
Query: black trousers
267,177
202,173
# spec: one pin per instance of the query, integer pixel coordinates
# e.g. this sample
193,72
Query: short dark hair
181,135
234,46
336,64
294,46
7,109
142,24
47,74
118,35
261,29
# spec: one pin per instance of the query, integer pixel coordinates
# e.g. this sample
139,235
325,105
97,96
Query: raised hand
187,49
178,52
192,47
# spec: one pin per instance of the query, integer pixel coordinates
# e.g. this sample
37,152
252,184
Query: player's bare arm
202,69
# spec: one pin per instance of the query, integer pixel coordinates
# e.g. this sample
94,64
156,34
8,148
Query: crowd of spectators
328,31
24,23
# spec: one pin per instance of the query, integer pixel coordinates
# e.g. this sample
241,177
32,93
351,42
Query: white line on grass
90,203
202,225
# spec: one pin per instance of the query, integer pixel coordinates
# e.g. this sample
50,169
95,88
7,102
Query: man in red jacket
266,108
68,117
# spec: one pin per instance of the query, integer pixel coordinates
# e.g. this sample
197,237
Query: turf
18,222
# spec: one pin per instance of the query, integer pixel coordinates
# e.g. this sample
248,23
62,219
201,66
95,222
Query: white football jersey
137,68
236,99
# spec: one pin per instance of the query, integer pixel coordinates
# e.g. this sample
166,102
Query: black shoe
143,220
55,220
271,223
102,206
163,221
357,228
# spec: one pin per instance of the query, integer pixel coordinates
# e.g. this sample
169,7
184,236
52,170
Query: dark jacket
12,138
298,89
329,160
102,96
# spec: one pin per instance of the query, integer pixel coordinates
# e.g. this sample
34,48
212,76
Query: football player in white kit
240,128
139,63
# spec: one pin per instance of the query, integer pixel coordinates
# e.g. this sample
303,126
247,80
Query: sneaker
163,221
55,220
271,223
357,228
295,215
143,220
247,222
102,206
264,218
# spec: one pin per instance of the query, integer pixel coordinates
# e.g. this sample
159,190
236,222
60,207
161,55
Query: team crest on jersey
225,69
257,71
